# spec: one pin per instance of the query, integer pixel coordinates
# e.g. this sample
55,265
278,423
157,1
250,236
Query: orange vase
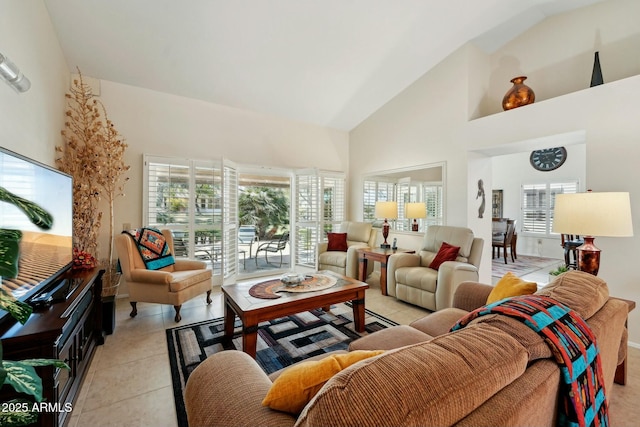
520,94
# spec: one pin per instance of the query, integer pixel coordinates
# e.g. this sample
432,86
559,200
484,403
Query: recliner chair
359,235
174,284
410,279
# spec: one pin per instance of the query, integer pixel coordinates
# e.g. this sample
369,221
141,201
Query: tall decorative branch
94,155
111,173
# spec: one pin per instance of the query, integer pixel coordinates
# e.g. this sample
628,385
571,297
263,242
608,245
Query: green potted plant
557,271
20,375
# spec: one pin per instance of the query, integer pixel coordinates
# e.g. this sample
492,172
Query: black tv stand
69,331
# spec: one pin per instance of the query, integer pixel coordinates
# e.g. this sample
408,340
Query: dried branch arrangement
93,154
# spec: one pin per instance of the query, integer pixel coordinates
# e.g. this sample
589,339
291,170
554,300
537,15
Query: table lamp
415,210
592,214
386,210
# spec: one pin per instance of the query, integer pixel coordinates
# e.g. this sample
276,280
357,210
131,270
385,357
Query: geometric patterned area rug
281,342
523,265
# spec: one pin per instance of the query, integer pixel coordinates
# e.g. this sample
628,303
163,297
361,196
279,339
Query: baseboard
633,344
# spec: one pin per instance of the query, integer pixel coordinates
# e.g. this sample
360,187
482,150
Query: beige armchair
359,235
410,279
173,285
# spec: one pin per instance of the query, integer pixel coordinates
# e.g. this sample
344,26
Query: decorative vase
519,94
596,75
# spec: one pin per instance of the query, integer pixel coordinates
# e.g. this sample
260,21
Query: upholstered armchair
174,284
410,278
345,260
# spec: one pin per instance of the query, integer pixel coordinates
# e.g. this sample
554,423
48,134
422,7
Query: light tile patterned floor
129,381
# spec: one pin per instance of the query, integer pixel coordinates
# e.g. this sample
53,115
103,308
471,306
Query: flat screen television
44,255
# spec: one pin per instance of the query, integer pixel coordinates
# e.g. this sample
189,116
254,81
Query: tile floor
129,381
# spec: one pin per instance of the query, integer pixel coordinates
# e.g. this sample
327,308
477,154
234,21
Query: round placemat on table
312,282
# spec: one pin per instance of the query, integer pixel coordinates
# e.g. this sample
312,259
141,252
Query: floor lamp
592,214
386,210
415,210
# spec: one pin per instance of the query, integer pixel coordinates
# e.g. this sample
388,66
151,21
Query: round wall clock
548,159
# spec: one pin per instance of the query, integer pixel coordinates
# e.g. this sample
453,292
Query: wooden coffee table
252,310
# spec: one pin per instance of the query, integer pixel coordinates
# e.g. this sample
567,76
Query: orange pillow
511,286
337,242
446,252
297,385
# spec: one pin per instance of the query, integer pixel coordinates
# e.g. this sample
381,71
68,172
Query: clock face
548,159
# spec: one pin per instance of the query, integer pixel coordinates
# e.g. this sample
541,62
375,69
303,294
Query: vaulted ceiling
327,62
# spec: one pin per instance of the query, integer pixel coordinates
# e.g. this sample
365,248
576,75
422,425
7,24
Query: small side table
380,255
621,370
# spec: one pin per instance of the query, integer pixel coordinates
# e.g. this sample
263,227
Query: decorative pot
519,94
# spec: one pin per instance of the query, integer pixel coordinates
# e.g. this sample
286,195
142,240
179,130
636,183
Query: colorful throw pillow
446,252
154,249
511,286
337,242
297,385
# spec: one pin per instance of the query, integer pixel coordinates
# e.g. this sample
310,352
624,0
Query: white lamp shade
415,210
388,210
593,214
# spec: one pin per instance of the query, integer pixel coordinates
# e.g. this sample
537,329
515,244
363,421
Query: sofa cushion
390,338
293,389
581,291
337,242
457,236
511,285
439,322
357,231
429,383
334,258
418,277
446,252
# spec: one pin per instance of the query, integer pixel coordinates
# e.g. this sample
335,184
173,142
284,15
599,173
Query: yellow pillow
511,286
297,385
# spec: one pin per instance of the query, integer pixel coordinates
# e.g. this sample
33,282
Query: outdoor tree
266,208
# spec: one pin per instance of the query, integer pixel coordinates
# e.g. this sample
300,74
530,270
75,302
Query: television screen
45,251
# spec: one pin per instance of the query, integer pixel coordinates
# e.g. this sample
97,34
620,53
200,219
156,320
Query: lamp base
414,225
589,257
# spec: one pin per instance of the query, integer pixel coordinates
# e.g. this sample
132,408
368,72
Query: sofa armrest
158,277
450,275
471,295
353,261
189,264
227,389
395,262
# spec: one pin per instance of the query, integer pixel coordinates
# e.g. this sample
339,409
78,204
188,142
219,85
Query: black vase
596,75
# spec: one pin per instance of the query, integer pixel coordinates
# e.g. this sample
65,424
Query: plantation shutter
538,201
319,209
432,196
184,196
333,201
307,217
230,220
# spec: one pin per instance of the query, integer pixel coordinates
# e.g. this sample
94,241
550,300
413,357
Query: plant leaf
37,215
17,419
18,309
23,378
45,362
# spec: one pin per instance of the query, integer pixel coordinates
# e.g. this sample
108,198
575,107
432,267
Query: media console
68,330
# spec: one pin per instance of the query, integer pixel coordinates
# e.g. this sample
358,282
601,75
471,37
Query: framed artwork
496,204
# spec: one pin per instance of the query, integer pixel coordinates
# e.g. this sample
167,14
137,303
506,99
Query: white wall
30,122
166,125
429,121
511,171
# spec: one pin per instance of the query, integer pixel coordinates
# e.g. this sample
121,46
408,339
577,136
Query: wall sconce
589,215
386,210
12,75
415,210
